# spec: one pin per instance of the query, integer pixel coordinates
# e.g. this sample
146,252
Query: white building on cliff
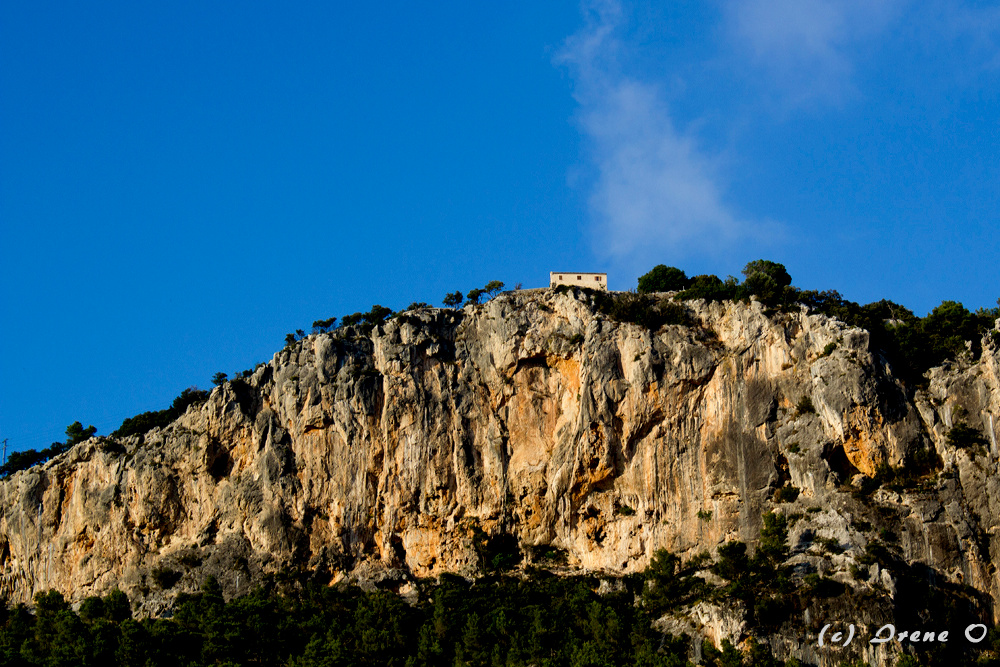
578,279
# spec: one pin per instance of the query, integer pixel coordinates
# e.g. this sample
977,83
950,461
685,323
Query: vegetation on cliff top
75,433
137,425
912,345
159,418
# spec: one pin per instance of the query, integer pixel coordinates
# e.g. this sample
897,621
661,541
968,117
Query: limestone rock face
382,455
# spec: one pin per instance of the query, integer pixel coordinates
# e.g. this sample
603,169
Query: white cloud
656,193
810,49
807,46
654,186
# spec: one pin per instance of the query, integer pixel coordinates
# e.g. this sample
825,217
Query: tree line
75,433
502,619
911,344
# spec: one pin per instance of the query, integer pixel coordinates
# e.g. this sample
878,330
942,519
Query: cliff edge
534,418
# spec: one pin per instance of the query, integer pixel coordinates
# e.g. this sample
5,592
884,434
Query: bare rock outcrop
382,456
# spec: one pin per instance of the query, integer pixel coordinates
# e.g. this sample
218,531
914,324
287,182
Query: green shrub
705,515
786,494
472,298
671,584
710,288
453,299
663,279
646,311
804,406
366,322
911,344
823,587
165,578
884,474
497,553
921,463
963,436
347,321
493,287
733,564
190,559
549,554
761,582
877,552
773,544
75,434
323,326
158,419
22,461
924,460
828,349
829,545
726,655
298,335
766,280
625,510
773,270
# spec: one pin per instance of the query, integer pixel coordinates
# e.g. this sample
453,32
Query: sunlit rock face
380,456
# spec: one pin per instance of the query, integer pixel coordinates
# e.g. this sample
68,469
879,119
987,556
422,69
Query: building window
597,278
579,277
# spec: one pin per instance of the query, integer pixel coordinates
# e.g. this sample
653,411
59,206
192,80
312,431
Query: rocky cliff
386,456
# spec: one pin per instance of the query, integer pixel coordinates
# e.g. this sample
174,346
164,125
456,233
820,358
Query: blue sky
181,185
